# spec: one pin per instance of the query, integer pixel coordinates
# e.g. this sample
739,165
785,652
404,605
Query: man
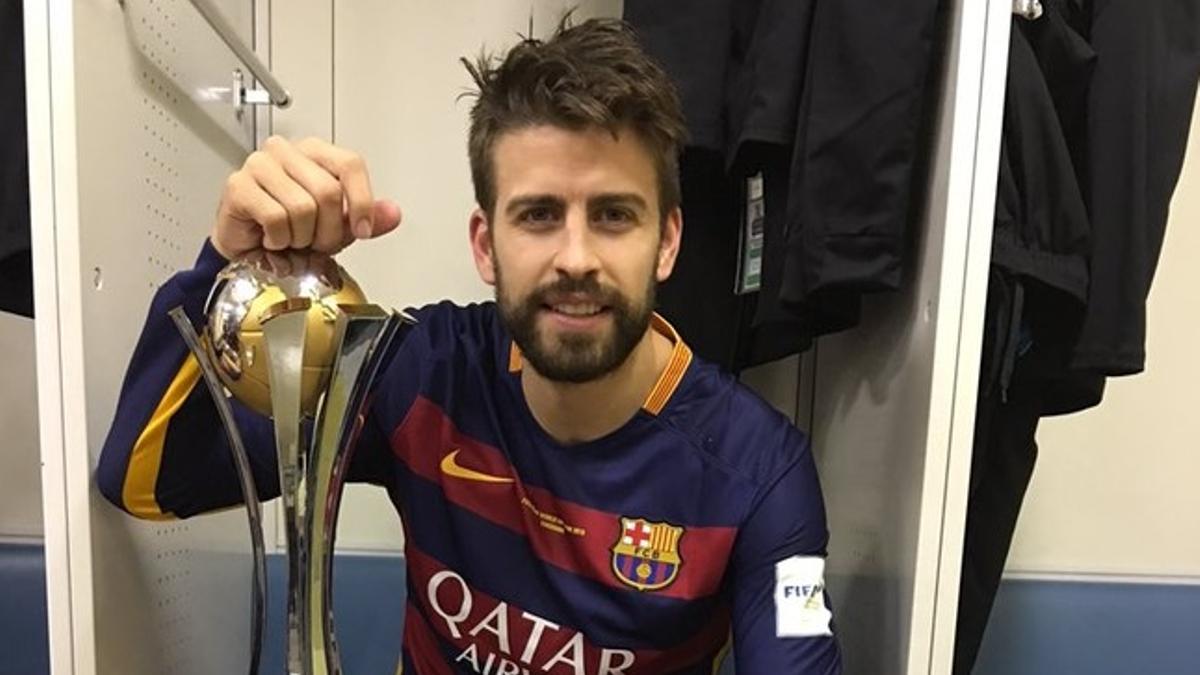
579,494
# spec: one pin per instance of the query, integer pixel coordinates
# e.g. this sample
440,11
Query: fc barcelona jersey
696,525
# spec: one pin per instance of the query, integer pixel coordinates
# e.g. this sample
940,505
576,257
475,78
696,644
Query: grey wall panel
778,382
20,485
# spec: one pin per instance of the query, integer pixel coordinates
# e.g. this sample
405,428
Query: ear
481,246
668,245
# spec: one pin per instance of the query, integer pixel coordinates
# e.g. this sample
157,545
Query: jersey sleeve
782,622
166,454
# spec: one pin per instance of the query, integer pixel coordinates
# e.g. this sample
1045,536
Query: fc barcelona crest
646,555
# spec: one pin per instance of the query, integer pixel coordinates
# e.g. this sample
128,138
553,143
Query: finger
351,170
386,217
249,203
323,187
300,206
279,263
298,261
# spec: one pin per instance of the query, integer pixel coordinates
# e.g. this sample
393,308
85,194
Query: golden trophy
292,337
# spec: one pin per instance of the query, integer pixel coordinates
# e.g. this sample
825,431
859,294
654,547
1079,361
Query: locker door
131,132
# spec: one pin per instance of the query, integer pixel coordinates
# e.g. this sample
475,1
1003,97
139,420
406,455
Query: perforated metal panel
160,179
155,135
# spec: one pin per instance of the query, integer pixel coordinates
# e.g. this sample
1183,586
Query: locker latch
243,96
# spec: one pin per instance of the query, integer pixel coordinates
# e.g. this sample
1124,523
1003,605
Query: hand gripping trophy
292,337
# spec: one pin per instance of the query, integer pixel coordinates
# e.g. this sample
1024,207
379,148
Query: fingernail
362,229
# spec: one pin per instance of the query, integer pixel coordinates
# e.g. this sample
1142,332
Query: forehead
547,159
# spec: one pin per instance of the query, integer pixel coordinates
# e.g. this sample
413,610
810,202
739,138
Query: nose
576,256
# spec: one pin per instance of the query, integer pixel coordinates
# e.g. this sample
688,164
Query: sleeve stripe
141,476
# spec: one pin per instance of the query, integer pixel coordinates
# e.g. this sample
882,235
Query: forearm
166,454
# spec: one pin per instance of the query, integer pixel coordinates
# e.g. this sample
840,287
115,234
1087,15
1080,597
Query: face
576,246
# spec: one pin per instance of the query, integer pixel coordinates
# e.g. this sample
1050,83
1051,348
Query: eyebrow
530,201
522,202
612,198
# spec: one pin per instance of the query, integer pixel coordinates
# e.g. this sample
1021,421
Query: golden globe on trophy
292,337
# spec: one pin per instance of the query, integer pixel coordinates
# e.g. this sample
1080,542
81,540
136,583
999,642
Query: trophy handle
258,586
363,334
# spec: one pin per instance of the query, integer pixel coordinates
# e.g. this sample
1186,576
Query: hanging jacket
828,101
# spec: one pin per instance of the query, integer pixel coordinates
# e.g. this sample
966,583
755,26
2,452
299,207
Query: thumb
385,217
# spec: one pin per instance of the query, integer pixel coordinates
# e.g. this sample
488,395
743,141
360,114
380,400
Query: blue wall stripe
1041,627
24,636
368,608
368,613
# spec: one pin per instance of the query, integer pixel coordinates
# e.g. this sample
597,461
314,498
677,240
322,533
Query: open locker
129,133
133,130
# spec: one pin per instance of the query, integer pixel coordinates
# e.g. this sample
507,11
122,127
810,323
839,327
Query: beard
570,356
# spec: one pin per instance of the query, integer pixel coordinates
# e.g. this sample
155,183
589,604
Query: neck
580,412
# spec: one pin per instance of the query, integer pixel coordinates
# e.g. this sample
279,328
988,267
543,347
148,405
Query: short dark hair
594,74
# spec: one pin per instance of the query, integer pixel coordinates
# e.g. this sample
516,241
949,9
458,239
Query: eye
613,215
538,215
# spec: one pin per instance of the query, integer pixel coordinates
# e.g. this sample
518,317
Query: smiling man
580,495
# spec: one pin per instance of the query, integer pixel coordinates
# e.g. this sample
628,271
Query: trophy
293,338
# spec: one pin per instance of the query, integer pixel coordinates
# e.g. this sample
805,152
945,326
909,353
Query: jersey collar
668,380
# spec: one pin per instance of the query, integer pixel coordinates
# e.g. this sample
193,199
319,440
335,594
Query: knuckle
237,190
233,183
274,220
350,162
328,194
302,207
274,142
256,160
325,237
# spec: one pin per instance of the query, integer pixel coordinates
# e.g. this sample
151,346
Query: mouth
576,314
576,309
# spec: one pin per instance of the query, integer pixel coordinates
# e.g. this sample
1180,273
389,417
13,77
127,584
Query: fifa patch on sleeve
800,609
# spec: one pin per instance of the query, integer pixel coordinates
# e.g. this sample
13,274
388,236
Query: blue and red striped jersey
697,524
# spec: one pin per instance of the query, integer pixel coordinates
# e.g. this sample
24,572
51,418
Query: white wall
1117,489
20,466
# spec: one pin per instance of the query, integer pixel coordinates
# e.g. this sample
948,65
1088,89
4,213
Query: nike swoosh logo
451,467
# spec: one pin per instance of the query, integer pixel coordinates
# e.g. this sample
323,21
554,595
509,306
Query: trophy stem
258,585
284,336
